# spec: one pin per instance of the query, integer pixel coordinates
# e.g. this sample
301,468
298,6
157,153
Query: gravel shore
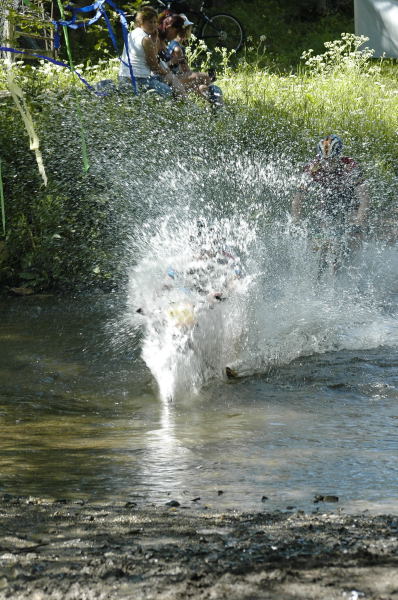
75,551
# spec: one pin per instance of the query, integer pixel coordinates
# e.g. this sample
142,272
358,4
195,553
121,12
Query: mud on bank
72,551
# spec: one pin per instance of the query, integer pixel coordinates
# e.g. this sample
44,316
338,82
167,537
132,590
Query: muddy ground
72,551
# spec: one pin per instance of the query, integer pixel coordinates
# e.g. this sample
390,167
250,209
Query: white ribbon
19,100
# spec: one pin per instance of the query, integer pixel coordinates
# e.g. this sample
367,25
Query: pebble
173,503
328,498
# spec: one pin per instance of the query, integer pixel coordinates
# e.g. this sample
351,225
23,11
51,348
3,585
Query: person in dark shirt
333,190
333,196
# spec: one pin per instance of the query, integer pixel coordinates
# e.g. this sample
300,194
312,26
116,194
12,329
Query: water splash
279,309
187,293
272,305
296,312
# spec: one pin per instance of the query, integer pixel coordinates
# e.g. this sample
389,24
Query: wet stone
326,498
3,582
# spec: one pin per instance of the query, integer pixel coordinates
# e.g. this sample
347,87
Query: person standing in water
333,196
337,182
149,72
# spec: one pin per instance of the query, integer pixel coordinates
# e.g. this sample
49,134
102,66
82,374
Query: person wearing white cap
193,81
187,22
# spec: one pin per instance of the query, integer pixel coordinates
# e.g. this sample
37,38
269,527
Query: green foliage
340,90
66,235
55,234
200,57
91,44
346,55
290,27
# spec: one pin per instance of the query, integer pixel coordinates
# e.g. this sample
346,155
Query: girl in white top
149,73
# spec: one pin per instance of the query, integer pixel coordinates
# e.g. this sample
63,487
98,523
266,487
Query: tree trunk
7,27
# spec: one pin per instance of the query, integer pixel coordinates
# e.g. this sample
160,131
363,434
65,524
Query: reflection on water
82,420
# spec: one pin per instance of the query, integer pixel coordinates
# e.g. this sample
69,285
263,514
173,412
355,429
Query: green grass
361,106
341,90
289,27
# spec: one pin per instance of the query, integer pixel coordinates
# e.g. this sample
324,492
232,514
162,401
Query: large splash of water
235,241
158,173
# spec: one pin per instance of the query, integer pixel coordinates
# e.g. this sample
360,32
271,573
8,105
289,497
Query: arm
178,58
151,57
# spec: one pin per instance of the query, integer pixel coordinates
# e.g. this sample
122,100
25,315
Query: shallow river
81,419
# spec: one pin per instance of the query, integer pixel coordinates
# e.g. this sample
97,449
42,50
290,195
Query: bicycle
218,30
334,248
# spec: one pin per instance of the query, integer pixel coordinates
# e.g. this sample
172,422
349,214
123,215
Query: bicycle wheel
224,31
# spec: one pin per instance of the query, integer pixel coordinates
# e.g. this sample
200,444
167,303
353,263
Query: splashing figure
334,198
185,307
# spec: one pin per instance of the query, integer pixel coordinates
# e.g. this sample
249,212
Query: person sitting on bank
193,81
170,26
149,73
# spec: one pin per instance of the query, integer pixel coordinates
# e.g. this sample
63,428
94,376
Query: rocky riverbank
73,551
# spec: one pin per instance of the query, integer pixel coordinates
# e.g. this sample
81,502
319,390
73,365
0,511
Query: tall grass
342,90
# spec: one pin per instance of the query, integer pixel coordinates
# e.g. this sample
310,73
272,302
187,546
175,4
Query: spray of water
187,293
161,174
228,287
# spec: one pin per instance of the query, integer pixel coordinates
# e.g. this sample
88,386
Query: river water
82,419
99,402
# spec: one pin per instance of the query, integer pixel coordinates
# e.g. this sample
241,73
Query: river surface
81,419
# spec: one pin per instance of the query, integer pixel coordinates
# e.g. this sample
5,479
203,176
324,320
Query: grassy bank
65,234
342,89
